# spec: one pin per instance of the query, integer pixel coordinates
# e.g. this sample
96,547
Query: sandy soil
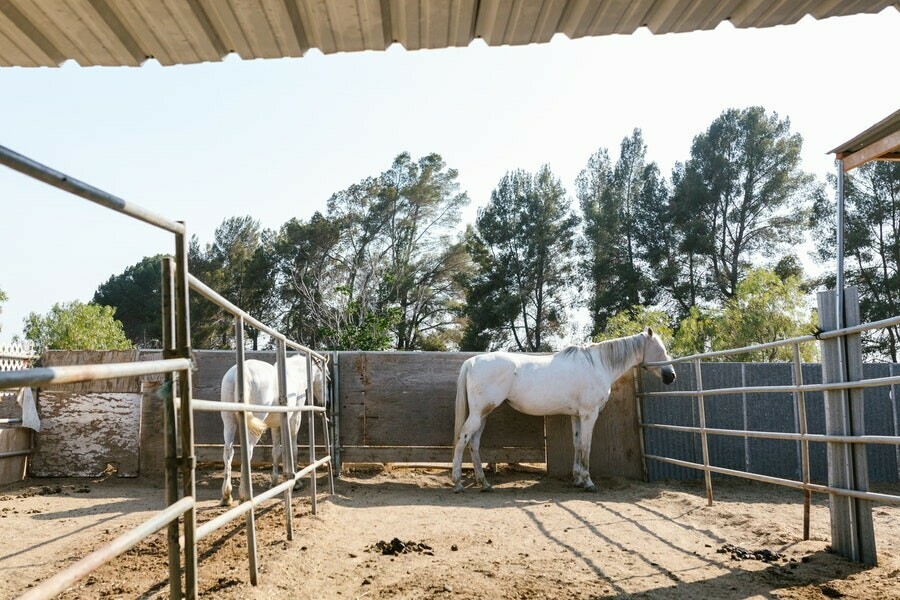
532,537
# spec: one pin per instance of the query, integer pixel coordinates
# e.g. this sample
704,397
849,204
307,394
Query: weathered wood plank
436,454
12,468
83,433
407,399
60,358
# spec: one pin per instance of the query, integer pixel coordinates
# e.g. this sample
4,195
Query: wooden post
852,532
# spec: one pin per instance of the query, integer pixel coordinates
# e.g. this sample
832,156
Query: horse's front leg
578,469
583,450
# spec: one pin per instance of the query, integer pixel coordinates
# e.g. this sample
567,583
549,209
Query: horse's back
535,384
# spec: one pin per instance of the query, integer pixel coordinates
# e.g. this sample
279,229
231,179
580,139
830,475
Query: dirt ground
532,537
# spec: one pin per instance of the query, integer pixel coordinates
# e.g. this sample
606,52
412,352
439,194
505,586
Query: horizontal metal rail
13,421
213,406
781,435
216,298
36,170
67,577
79,373
813,487
781,389
12,453
244,507
796,340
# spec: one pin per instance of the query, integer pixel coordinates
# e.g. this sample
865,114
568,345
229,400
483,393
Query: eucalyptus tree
136,295
380,268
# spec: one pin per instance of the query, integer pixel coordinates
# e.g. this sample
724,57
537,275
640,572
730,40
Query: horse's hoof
458,488
590,488
579,484
487,488
226,502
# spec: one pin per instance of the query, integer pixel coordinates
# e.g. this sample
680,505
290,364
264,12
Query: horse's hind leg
472,426
230,427
277,453
475,450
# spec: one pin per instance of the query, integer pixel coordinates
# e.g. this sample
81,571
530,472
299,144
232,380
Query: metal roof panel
127,32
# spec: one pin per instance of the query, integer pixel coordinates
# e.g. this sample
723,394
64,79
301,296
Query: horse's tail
255,425
462,399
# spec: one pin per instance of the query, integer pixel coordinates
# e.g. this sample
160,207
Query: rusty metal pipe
78,373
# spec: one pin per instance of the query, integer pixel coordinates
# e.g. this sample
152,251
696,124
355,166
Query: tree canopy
705,256
871,247
77,326
522,250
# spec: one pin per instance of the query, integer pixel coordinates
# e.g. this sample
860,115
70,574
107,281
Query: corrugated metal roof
128,32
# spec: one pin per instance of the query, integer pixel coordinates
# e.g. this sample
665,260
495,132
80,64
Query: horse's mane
612,354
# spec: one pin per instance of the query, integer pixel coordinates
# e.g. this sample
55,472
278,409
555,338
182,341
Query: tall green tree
522,250
744,190
615,248
240,265
76,326
423,201
136,295
871,247
382,257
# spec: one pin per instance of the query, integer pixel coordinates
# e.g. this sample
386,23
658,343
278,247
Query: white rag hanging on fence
30,417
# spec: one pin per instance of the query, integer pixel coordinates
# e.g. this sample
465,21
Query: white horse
575,381
261,387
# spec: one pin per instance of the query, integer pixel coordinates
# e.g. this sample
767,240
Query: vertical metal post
800,400
188,460
336,412
701,406
323,389
287,438
839,272
169,430
246,478
639,407
312,431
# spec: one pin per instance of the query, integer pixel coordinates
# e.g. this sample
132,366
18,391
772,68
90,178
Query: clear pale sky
274,139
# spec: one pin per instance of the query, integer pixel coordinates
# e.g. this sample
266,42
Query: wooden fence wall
395,407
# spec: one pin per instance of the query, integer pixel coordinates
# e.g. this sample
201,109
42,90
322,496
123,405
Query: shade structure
129,32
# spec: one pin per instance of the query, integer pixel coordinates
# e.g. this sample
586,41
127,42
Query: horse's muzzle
668,375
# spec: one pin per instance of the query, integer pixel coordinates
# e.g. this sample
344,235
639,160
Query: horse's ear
649,332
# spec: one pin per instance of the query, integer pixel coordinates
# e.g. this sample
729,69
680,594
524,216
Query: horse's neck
623,355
